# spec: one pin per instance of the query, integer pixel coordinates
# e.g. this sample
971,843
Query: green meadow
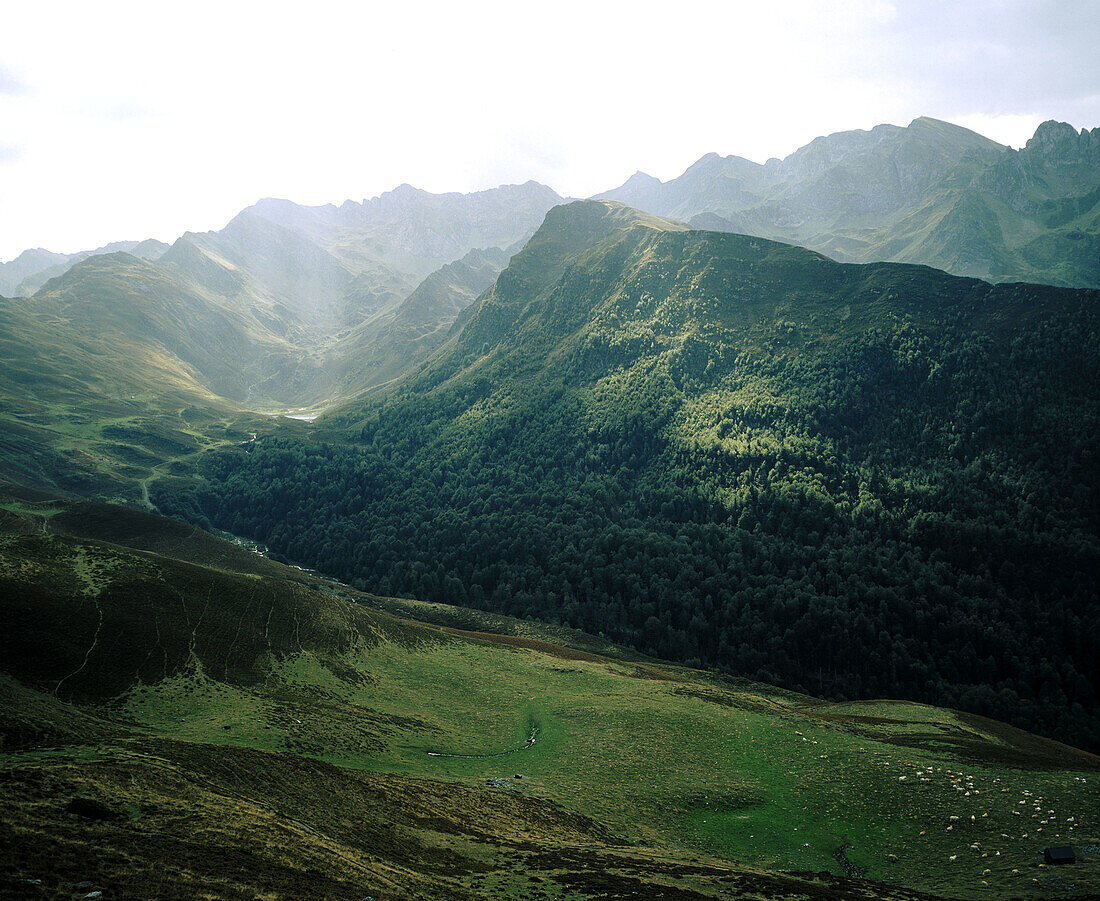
208,699
667,757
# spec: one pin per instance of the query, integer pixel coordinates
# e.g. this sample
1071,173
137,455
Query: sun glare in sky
135,120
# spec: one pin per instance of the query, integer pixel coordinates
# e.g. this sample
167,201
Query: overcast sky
134,120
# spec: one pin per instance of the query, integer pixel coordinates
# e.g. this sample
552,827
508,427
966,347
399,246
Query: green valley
201,699
849,480
499,546
120,366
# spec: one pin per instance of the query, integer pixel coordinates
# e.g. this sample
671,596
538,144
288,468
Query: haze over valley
729,533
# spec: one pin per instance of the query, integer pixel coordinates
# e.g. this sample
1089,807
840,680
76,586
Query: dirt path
155,470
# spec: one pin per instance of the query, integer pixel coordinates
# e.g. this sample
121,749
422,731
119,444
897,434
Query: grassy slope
123,367
384,347
113,372
253,735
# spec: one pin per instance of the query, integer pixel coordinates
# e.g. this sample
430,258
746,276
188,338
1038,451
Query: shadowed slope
722,449
269,733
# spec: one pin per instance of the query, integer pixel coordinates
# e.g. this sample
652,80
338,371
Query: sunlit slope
123,366
388,345
855,480
262,716
29,271
412,230
89,400
98,391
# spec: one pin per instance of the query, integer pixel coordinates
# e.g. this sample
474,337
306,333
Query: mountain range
697,443
931,193
308,300
582,468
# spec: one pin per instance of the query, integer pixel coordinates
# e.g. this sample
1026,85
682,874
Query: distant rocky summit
931,193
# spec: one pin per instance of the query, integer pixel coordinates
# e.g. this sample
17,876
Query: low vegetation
244,729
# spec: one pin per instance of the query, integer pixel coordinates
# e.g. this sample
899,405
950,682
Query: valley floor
238,729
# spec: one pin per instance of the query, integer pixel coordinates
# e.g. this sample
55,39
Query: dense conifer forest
864,482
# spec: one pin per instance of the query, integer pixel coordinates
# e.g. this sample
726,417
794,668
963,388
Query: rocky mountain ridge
931,193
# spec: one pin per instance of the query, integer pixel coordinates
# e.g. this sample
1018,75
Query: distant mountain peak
716,163
958,132
641,179
610,215
1053,130
708,158
938,124
1062,140
267,206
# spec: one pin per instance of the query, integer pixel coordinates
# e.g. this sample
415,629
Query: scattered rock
91,809
851,869
79,888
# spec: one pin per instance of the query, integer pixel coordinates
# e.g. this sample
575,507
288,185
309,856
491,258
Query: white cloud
1013,129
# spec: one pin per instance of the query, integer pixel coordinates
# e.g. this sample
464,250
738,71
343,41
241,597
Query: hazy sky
133,120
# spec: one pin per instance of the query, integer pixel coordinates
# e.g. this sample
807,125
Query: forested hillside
872,480
180,718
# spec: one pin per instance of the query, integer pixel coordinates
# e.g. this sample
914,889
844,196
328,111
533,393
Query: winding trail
155,470
88,653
